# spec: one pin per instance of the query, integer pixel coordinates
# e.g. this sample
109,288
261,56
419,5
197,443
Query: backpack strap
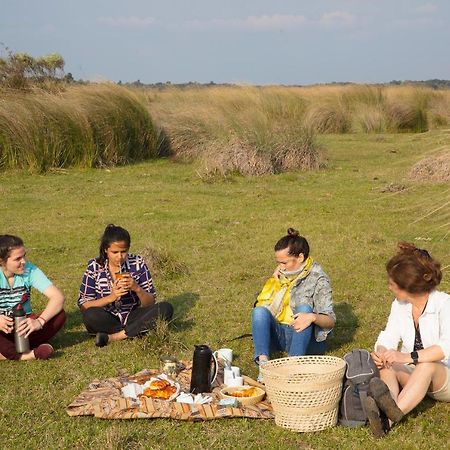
363,396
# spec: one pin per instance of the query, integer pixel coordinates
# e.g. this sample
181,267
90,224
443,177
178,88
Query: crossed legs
408,386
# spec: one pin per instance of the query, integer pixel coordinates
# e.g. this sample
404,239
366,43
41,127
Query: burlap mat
103,399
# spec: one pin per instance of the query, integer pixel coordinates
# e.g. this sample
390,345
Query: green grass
214,246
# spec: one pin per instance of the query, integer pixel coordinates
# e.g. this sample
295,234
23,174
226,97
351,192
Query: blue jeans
270,336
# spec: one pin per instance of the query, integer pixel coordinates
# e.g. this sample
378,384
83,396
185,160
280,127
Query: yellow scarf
276,294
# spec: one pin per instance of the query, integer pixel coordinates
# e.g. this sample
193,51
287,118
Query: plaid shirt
97,283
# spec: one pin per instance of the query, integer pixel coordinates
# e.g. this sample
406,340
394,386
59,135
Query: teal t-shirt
20,291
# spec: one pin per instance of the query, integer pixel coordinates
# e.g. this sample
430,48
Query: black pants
140,320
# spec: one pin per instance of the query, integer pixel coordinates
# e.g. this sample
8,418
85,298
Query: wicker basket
304,391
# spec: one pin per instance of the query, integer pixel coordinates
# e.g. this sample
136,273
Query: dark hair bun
293,232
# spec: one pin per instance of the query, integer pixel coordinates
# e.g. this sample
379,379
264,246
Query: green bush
89,126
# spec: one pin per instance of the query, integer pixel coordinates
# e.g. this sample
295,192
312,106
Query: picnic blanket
103,399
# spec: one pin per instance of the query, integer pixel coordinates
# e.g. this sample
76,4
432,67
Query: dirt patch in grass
432,168
393,187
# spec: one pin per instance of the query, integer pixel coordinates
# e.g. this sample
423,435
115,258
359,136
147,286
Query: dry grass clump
439,109
328,117
368,109
162,263
369,119
277,153
404,117
433,168
245,130
90,126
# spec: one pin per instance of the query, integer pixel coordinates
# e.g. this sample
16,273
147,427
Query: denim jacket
315,291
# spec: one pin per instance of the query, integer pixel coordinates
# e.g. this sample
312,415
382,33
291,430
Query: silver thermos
22,342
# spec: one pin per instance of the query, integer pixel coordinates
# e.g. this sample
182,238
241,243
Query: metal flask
22,342
203,375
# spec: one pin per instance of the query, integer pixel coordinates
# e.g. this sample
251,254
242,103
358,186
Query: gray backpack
360,370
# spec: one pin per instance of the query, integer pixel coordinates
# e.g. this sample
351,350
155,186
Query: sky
235,41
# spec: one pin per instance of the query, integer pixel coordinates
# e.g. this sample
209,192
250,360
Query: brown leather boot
380,392
373,414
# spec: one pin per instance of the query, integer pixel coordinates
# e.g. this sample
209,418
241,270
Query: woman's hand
276,272
128,282
377,359
28,326
390,357
6,324
118,290
303,321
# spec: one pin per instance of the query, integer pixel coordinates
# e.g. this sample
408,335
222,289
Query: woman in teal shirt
17,277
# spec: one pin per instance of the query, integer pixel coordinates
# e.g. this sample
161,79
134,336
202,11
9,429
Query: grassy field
219,238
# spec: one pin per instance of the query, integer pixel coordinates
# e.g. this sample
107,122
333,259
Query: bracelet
42,324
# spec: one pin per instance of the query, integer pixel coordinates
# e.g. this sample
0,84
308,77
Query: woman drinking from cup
117,297
420,321
17,277
294,311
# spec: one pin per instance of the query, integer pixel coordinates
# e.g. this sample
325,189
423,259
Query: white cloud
428,8
273,22
337,18
127,22
252,23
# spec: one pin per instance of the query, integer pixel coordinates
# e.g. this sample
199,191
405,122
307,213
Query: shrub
245,130
328,117
90,126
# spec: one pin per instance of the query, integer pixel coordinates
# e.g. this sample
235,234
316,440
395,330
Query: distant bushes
234,129
261,130
369,109
89,126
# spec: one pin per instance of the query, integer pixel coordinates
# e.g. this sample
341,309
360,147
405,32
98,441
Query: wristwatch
415,357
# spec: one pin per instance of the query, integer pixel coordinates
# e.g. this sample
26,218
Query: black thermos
22,342
201,369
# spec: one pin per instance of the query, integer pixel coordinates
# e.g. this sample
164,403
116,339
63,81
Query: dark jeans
140,320
8,347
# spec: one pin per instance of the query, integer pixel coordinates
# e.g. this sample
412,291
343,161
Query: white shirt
434,325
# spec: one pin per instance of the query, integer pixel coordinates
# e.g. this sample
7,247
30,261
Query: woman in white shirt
420,321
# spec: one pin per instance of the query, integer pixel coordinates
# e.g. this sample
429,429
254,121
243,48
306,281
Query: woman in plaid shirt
117,297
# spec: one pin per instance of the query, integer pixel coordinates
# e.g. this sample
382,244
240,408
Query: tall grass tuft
89,126
329,116
245,130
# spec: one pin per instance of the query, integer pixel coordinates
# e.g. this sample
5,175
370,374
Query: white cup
236,371
226,355
227,376
236,381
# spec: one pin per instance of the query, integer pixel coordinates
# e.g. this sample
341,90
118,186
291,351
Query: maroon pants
8,347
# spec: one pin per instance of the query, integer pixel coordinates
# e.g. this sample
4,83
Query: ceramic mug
226,355
227,376
236,381
236,371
